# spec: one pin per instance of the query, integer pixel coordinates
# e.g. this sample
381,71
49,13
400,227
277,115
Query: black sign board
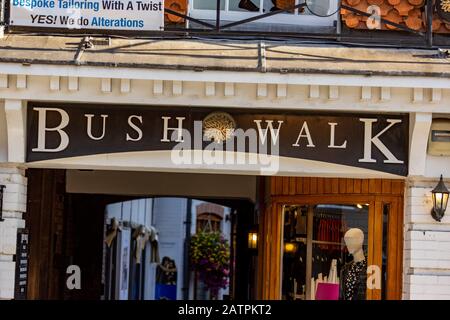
440,135
21,281
373,141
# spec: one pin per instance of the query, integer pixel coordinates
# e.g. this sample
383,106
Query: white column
14,205
426,242
12,176
15,123
420,130
426,245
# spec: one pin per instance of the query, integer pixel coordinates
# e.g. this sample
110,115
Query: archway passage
72,213
68,227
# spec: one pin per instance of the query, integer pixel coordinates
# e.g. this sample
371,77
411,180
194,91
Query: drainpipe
429,15
187,242
2,18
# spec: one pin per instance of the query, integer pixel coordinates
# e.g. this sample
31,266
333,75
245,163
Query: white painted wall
170,213
3,134
426,242
14,206
427,245
436,166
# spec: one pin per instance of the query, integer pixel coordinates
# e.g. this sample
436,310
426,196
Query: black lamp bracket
2,187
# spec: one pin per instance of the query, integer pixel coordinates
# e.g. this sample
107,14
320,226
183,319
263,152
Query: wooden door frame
298,190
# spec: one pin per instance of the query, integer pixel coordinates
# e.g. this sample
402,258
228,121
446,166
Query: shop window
209,221
325,252
316,13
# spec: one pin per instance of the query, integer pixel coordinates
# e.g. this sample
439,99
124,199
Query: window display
354,273
325,249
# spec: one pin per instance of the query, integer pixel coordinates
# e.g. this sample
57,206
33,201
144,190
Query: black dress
354,281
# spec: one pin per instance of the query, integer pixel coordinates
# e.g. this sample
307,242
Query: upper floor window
316,12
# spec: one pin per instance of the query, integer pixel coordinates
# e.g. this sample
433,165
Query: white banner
88,14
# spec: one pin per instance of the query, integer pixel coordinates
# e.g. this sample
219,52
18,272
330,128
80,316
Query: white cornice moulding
3,81
261,91
54,83
158,87
21,81
73,84
15,126
229,89
281,90
210,89
385,94
177,88
366,93
106,85
314,92
333,92
227,76
436,95
418,95
125,85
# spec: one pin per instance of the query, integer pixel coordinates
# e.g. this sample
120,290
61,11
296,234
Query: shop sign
136,15
21,275
372,141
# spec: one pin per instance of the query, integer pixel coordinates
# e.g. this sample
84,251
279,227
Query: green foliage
210,257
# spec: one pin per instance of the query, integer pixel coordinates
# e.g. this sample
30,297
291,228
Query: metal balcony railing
220,28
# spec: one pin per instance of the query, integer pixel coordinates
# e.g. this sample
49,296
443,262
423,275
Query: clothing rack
327,242
317,221
303,240
328,215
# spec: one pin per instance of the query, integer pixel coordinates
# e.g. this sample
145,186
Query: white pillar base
14,205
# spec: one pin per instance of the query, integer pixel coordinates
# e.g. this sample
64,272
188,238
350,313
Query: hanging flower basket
210,257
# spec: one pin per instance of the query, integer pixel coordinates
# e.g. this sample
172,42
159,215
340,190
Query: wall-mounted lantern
290,247
252,240
440,199
2,187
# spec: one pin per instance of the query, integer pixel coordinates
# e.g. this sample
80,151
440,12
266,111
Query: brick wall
427,246
14,205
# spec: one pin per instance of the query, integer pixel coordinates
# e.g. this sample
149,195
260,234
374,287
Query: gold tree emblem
218,126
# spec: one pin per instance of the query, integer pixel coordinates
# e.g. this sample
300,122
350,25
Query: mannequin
354,274
354,239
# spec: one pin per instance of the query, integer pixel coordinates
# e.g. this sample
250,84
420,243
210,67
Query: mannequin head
354,239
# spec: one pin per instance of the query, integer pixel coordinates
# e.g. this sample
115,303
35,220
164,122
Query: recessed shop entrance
324,233
130,234
312,233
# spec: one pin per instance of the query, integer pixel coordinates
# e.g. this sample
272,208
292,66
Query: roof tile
410,13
